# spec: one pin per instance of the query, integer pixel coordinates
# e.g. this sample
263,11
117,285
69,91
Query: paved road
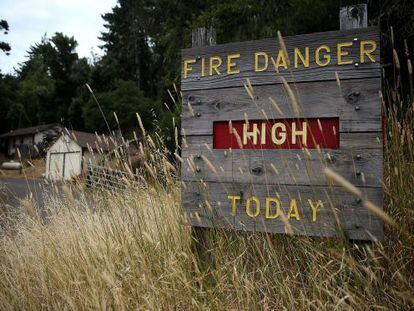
12,190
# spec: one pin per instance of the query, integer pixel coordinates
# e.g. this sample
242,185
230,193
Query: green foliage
64,67
4,46
125,100
126,42
35,96
142,45
7,98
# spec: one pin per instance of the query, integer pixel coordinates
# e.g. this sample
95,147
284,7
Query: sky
30,20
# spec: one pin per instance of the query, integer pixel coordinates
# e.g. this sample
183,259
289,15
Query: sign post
262,119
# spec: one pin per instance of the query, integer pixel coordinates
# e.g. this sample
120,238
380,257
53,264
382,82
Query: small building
71,153
25,139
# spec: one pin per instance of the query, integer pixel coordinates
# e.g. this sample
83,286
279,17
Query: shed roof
30,130
95,141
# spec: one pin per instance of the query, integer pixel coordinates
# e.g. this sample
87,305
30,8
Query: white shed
70,154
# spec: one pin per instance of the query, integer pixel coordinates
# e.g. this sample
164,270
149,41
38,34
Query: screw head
257,170
356,64
358,172
355,39
198,156
358,157
198,57
198,114
358,200
357,108
198,101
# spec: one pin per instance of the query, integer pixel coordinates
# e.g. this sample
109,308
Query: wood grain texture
316,100
353,218
209,176
359,161
203,36
353,16
195,81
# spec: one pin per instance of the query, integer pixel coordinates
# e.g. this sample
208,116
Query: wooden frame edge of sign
218,183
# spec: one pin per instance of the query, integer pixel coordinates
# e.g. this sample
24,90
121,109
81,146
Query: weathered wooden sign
254,150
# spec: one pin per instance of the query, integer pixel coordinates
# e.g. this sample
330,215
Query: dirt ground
32,169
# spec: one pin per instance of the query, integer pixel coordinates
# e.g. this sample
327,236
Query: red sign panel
277,134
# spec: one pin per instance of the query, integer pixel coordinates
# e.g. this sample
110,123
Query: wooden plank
246,62
203,36
359,165
287,168
356,103
353,16
211,175
355,220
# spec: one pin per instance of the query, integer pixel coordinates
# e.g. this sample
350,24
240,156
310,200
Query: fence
104,178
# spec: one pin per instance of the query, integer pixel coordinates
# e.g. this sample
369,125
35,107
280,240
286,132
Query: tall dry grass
131,249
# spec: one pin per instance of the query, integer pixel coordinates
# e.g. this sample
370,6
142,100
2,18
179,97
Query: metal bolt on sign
261,142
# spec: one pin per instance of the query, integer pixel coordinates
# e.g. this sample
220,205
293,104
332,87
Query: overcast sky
29,20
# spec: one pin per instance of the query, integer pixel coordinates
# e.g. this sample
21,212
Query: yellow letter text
277,207
230,64
327,57
314,208
303,59
257,55
367,47
187,67
233,199
342,53
293,210
249,205
215,63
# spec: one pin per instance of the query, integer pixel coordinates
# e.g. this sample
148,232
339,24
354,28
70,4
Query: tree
4,46
127,42
125,100
8,85
59,61
35,96
142,55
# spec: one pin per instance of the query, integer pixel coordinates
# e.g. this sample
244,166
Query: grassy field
130,250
